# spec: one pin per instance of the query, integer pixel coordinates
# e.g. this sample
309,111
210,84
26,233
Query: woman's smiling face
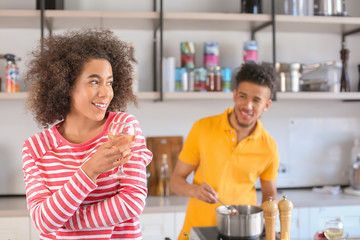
92,91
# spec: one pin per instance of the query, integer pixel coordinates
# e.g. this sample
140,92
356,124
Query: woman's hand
205,192
108,156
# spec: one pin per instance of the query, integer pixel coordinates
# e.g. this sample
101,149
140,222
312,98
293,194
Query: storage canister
187,54
200,79
181,79
211,54
250,51
191,80
226,79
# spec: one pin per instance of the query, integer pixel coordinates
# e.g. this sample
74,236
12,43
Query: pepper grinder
270,210
285,207
344,80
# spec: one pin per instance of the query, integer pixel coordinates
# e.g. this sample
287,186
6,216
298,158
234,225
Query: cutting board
170,145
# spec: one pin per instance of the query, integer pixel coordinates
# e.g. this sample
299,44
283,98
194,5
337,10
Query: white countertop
16,206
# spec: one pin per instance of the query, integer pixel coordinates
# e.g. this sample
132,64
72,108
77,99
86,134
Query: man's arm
181,187
268,189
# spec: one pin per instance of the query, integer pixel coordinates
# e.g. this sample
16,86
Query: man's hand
204,192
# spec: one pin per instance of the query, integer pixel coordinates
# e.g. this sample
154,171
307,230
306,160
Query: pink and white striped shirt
63,201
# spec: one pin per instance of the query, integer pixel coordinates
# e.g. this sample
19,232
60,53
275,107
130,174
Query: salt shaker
285,207
270,211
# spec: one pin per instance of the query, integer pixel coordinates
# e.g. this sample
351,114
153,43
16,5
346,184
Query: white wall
327,149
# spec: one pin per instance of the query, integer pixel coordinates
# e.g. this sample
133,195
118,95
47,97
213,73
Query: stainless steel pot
248,223
329,8
290,75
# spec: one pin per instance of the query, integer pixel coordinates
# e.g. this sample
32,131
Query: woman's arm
130,200
127,204
50,211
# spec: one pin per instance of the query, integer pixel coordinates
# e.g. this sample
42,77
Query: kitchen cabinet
15,228
156,226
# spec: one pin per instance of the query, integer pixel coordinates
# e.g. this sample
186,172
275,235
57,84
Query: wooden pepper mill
285,207
270,211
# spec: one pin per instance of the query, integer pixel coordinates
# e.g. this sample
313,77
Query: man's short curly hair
260,74
58,62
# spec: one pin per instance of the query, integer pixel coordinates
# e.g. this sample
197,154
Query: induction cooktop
211,233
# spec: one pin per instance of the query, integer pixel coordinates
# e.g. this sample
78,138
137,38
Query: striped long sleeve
64,202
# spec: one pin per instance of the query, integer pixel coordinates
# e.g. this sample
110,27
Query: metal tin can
226,79
250,51
12,81
191,80
200,79
211,54
187,50
181,79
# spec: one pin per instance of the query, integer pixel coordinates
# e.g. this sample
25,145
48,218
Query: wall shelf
219,96
176,21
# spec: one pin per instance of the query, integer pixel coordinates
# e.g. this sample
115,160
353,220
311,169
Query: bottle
135,66
210,79
12,81
164,177
344,80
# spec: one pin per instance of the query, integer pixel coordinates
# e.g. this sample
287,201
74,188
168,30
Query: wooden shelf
13,96
220,96
213,21
318,96
23,95
316,24
62,19
20,19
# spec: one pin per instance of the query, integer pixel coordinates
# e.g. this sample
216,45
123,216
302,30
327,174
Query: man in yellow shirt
229,152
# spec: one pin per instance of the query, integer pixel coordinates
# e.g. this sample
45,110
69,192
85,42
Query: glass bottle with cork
164,177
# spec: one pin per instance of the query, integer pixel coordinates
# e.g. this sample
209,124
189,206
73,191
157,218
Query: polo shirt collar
225,124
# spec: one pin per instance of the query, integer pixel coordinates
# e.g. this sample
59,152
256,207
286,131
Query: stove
211,233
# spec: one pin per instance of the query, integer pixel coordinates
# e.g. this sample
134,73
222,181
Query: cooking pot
290,75
248,223
329,8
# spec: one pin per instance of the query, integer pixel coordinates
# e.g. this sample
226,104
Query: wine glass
123,130
334,229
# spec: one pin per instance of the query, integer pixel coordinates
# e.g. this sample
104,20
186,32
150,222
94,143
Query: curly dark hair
260,74
59,60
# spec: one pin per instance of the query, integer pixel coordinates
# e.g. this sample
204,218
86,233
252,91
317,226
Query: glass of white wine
334,229
127,132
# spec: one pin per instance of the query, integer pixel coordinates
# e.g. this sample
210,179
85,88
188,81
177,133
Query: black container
359,79
51,4
251,6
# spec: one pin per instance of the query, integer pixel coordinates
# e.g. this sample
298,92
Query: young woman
80,82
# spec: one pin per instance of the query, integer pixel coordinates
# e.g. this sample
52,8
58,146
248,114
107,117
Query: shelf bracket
155,55
44,22
253,31
344,35
273,23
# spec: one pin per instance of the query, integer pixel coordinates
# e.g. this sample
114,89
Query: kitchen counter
16,206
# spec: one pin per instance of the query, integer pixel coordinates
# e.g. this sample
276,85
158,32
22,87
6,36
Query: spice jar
210,79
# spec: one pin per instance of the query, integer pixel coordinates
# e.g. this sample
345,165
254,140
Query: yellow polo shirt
230,168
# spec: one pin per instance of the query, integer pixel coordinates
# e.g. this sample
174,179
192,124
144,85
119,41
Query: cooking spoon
231,210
